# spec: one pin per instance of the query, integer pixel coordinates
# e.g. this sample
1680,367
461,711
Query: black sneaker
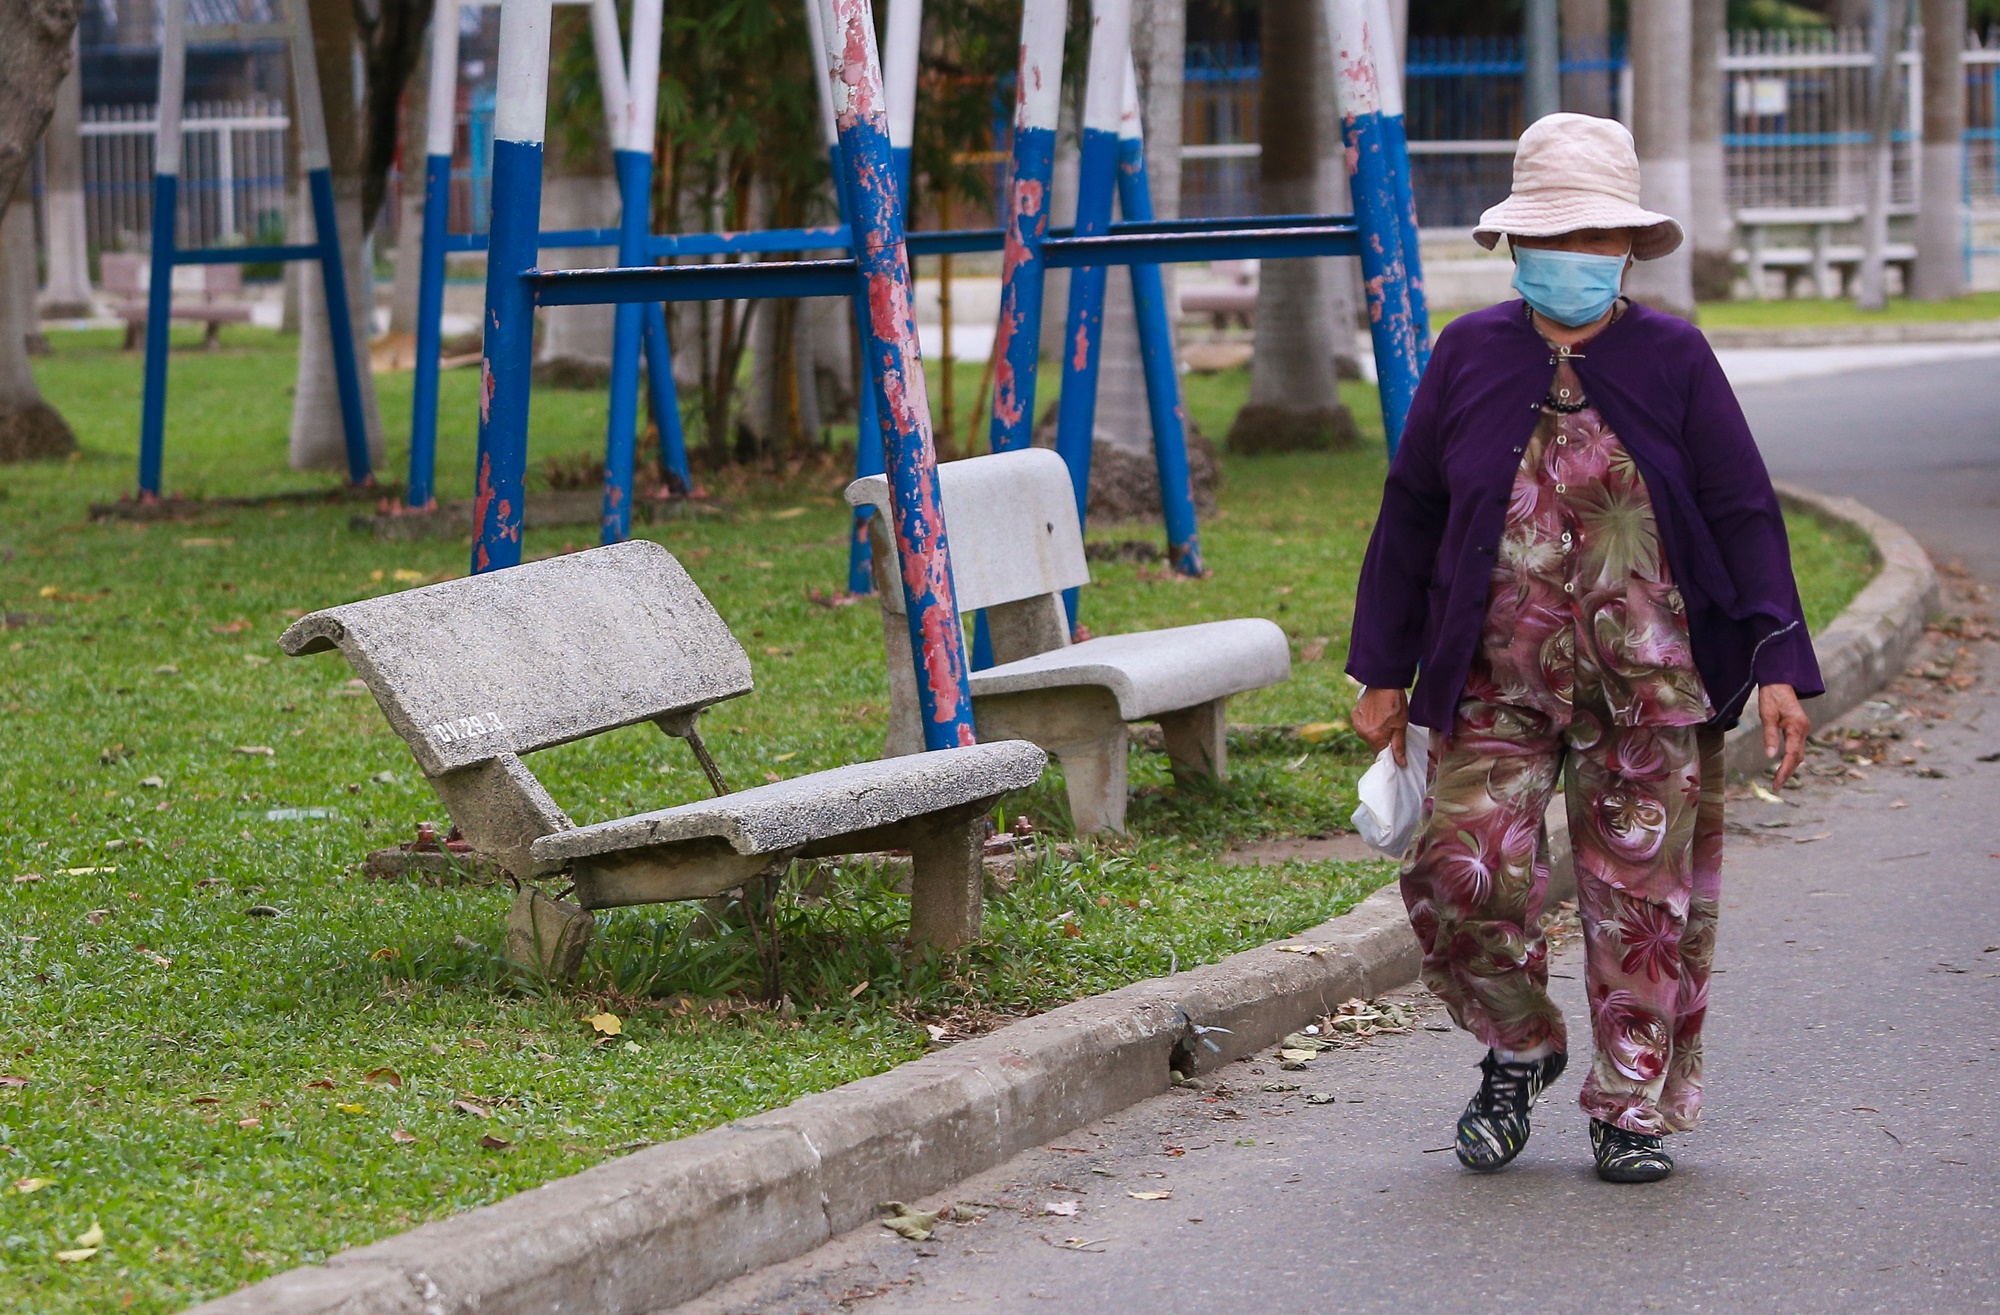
1494,1127
1628,1157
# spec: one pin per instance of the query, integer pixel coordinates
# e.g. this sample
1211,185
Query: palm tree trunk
1940,270
29,427
1712,233
410,219
318,441
67,294
35,57
1294,390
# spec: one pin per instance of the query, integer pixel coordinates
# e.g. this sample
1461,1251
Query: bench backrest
536,655
221,281
120,273
1010,519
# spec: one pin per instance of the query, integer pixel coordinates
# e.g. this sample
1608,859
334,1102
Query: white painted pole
643,76
609,50
899,72
441,121
816,23
173,87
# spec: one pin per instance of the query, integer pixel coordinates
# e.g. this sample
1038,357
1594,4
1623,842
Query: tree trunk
410,220
1848,13
318,441
1586,34
1662,50
1342,273
35,57
1712,232
29,427
1940,270
1294,392
67,295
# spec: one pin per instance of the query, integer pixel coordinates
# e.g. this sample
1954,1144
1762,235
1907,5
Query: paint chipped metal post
889,336
519,123
296,33
1097,181
1376,210
1031,169
868,423
1389,78
632,113
1156,347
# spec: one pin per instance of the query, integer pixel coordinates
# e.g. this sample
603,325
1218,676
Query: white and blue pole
1389,79
1097,182
1377,209
868,424
629,102
901,40
166,199
1017,339
326,231
889,337
1030,175
1156,347
519,125
440,129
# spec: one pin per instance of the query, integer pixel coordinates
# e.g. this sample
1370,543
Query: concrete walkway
1854,1048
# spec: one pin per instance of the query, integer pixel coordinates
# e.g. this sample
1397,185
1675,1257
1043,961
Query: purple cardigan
1424,585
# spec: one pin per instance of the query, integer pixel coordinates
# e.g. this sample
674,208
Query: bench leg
947,880
1095,774
546,936
1196,741
211,338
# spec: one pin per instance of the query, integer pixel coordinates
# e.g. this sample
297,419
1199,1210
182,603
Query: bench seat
807,816
1154,671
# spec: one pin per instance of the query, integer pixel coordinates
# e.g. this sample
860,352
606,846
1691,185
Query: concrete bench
475,673
1831,266
1016,545
124,276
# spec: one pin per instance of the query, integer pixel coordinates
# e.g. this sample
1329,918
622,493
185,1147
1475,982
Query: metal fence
234,172
1796,125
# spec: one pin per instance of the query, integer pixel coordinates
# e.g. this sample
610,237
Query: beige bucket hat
1575,171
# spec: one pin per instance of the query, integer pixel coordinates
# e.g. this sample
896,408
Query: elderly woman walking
1581,563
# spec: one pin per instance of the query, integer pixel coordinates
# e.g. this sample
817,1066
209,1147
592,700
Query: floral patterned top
1581,589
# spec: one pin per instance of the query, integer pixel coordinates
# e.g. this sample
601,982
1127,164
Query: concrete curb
1858,335
1868,643
663,1225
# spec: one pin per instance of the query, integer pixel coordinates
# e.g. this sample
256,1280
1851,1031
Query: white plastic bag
1392,797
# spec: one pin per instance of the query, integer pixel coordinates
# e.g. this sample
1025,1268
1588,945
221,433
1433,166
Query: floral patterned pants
1645,820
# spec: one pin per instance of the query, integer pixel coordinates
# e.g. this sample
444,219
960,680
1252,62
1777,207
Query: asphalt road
1848,1159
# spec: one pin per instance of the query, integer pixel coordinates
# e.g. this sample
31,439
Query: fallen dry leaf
467,1107
1302,949
231,628
607,1023
23,878
916,1225
249,1123
1151,1196
1315,731
94,1237
352,1109
492,1143
27,1185
404,1136
77,1256
1063,1208
382,1077
13,1080
257,750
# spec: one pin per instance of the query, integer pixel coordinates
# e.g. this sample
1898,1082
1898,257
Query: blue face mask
1570,287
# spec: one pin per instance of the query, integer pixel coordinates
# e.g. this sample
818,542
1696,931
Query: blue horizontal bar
243,255
1178,248
642,283
553,240
1157,242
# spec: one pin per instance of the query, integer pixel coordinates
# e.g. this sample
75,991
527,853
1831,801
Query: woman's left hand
1786,723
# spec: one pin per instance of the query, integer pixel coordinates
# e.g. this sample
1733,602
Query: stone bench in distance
1016,545
476,673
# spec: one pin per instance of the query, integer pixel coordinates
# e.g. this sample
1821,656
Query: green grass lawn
1804,311
230,1095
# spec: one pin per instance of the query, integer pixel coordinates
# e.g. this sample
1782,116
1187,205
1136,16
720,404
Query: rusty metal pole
889,337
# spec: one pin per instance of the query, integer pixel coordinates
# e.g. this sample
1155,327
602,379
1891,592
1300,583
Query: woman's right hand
1380,717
